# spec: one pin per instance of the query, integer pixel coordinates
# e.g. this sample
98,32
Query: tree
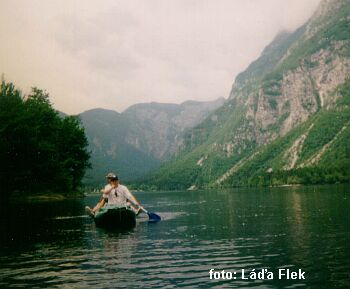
39,150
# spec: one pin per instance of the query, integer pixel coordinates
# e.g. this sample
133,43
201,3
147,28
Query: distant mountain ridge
167,122
137,140
296,91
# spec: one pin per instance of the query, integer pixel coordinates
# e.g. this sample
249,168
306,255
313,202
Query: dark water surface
54,245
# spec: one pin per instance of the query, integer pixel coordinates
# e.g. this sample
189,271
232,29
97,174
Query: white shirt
119,195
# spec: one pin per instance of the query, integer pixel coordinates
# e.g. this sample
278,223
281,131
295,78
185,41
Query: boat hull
115,217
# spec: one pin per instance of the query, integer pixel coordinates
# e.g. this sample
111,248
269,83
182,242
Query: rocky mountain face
140,138
298,76
157,129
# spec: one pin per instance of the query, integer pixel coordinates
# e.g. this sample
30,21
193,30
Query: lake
55,245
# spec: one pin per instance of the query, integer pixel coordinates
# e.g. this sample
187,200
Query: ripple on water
71,217
180,250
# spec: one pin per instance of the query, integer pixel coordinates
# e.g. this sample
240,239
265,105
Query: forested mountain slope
294,94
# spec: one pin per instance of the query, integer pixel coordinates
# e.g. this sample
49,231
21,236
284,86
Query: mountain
157,128
137,140
286,114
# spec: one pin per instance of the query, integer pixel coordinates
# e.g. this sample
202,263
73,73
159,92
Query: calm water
48,245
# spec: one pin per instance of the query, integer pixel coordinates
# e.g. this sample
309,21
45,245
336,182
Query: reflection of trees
25,224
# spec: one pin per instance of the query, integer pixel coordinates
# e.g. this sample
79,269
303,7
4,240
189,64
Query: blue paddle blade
153,217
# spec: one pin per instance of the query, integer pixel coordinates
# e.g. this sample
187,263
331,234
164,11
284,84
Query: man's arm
130,197
99,205
107,189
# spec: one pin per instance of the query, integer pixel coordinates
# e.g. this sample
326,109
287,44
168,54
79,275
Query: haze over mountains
137,140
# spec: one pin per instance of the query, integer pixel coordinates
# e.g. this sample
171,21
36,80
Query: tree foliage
39,150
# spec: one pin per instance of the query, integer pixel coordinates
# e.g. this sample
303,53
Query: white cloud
112,54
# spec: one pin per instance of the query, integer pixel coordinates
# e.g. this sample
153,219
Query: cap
112,176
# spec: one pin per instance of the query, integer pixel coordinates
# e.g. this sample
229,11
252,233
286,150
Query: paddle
153,217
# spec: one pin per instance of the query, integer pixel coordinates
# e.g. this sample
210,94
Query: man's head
114,182
112,177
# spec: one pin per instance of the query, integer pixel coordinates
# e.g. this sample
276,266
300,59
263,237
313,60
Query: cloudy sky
112,54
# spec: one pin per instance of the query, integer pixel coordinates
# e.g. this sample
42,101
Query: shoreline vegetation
44,197
40,150
53,197
207,188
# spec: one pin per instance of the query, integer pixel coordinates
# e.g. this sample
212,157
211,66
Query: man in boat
104,197
113,194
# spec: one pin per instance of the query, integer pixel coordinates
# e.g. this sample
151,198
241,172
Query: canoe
115,217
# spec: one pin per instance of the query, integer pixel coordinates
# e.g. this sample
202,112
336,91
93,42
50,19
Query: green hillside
322,156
